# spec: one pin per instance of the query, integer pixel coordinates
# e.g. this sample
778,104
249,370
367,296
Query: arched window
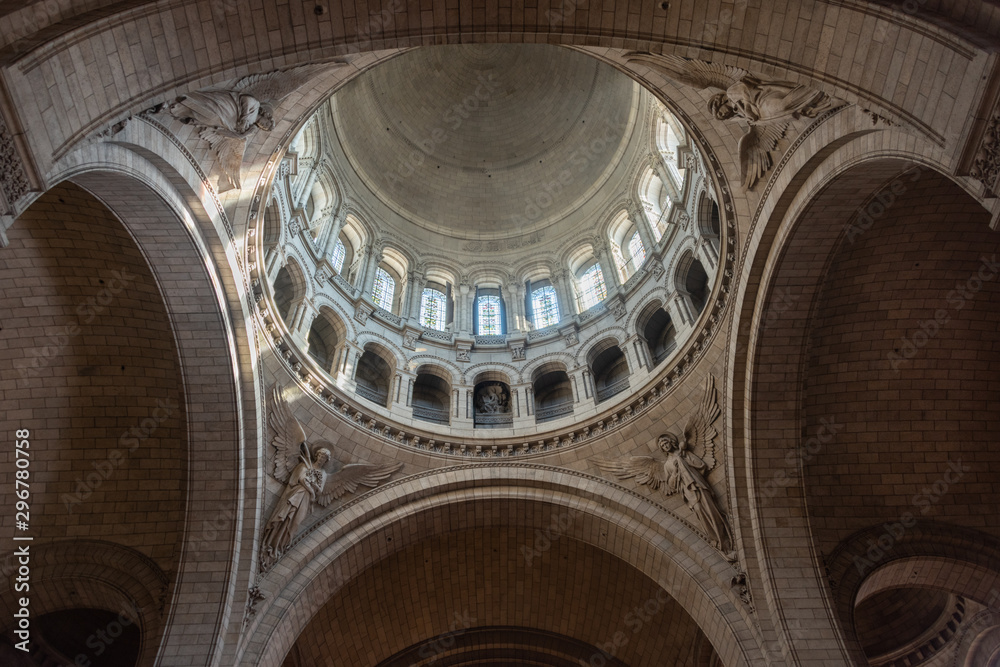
433,309
637,251
592,289
383,290
545,306
339,253
488,315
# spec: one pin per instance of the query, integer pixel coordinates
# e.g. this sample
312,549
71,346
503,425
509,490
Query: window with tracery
488,315
433,309
592,289
545,307
383,290
337,258
637,251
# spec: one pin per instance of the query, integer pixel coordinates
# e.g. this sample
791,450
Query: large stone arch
185,232
339,547
816,207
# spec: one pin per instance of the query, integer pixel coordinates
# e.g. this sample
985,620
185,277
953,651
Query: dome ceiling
463,140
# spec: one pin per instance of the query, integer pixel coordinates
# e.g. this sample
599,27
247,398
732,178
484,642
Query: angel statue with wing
227,117
308,478
684,471
767,106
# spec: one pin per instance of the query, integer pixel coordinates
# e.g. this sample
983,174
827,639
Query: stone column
372,258
638,219
564,292
329,240
656,163
415,282
516,316
463,306
602,252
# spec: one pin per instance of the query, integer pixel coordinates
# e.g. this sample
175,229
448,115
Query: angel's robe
774,101
224,109
685,472
292,509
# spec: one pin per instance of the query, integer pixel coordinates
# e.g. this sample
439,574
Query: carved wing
700,433
697,73
229,149
288,436
645,469
273,87
348,478
755,150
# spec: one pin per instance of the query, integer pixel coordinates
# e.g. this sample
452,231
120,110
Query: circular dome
548,256
453,138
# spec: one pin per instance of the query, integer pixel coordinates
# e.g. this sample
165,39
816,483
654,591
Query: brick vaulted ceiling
853,341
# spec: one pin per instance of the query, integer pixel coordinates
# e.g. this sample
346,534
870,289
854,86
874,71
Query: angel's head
265,119
668,442
721,106
322,456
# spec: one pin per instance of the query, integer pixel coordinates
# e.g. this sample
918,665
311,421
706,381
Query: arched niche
431,398
609,369
289,288
327,336
692,281
492,403
552,391
374,373
657,331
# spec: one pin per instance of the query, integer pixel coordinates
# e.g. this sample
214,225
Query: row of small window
542,304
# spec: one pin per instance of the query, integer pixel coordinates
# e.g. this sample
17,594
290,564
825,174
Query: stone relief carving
410,339
226,118
683,471
986,163
309,475
658,270
517,352
768,107
492,399
13,178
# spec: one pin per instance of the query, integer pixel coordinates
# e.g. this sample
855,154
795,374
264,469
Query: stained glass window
592,289
545,307
489,316
433,308
383,290
637,251
338,256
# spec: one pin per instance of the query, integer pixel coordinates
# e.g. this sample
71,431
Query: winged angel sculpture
309,477
768,107
683,471
226,118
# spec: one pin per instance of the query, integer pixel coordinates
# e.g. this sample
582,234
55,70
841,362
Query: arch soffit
452,373
654,300
695,576
771,226
563,360
163,210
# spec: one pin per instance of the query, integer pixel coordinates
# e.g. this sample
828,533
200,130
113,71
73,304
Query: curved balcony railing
494,421
372,395
553,411
612,389
435,415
